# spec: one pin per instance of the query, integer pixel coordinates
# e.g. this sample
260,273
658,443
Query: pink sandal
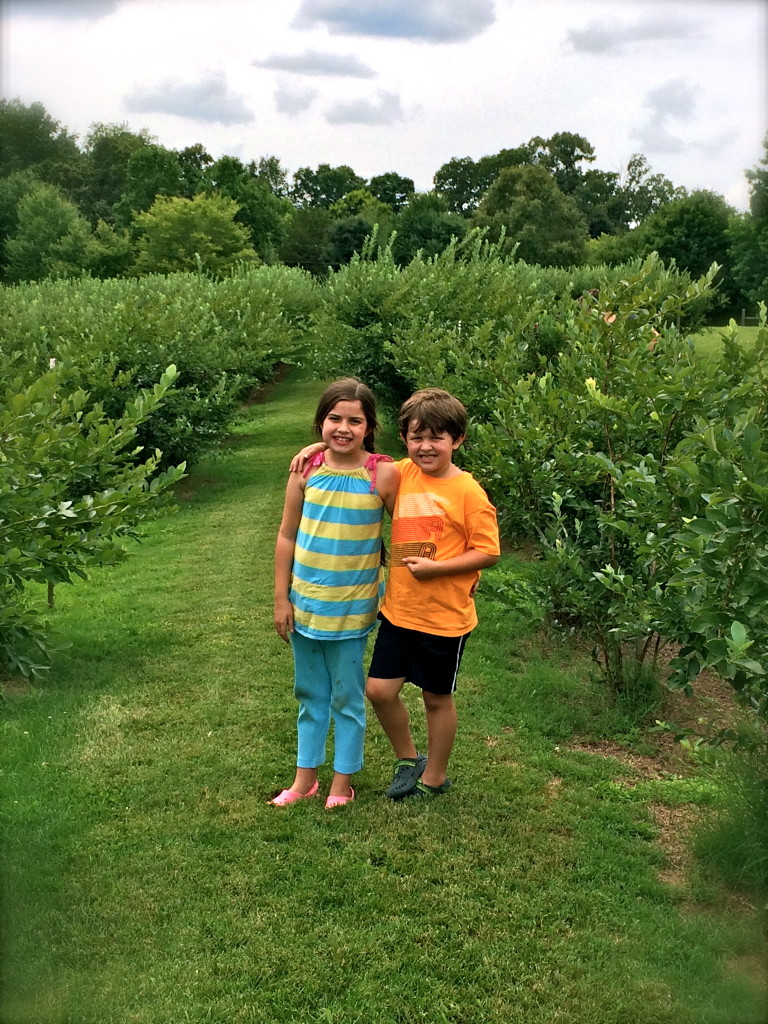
290,796
338,801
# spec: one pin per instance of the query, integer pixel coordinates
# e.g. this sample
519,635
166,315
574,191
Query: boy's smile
432,453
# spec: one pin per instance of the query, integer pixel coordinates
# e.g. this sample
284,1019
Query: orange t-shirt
439,519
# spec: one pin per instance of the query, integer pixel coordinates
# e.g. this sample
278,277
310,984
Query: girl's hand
300,460
284,619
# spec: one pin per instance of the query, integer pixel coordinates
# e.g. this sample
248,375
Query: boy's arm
284,547
299,460
387,483
468,561
483,544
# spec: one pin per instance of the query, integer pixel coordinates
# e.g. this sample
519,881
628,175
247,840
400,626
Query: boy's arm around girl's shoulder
387,483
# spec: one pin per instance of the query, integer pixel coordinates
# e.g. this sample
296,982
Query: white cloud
387,109
207,100
292,100
512,69
71,10
435,21
613,36
315,63
674,100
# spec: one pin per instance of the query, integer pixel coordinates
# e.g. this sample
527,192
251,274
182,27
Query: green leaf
738,633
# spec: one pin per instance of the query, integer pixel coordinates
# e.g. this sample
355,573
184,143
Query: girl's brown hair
348,389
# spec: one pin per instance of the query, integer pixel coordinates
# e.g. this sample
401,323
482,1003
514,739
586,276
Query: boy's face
432,453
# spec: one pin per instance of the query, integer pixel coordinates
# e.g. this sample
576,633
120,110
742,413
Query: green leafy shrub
469,319
71,491
596,429
112,337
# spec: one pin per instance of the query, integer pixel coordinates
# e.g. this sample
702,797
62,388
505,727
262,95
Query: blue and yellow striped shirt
337,579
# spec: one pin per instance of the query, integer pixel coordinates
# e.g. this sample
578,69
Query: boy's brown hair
433,409
349,389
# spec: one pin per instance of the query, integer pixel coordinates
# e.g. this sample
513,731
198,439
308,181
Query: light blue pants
330,682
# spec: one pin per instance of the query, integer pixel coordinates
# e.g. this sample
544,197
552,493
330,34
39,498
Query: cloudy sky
404,85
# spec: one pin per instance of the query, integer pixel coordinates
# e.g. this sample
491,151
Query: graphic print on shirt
417,527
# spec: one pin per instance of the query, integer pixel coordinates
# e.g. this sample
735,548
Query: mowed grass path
147,881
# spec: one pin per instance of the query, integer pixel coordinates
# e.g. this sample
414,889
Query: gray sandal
421,789
406,773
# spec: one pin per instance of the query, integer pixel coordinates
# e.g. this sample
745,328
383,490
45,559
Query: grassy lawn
708,341
147,881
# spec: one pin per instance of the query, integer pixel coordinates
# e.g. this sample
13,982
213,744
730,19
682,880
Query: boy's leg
442,721
384,695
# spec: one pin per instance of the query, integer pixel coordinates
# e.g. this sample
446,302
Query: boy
444,531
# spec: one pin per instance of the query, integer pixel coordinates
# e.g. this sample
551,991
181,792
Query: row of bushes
110,338
108,389
640,468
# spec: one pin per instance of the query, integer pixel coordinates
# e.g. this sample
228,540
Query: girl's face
345,428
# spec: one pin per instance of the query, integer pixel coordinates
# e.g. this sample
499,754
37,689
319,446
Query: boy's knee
436,701
382,691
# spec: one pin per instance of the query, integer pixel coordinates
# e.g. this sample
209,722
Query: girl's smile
345,428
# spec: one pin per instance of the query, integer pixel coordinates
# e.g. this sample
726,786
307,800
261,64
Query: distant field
708,341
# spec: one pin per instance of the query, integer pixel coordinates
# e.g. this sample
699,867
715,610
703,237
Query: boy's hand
422,568
299,461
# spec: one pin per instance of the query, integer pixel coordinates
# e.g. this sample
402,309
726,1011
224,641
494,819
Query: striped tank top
337,579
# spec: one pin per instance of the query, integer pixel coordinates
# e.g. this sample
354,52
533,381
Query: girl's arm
299,461
286,541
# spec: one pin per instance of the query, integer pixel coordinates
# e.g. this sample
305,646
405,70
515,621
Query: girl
328,582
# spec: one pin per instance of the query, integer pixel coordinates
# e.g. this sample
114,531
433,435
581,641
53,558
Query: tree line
121,204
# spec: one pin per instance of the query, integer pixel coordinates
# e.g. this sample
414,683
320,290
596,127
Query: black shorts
428,661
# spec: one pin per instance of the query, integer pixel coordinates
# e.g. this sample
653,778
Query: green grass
708,341
147,881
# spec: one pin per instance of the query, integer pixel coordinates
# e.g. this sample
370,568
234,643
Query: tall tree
426,225
748,237
693,231
362,203
643,191
562,154
13,188
599,198
345,238
272,173
458,183
108,150
51,238
152,171
191,234
324,186
392,188
462,182
30,137
260,210
305,243
546,225
193,161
